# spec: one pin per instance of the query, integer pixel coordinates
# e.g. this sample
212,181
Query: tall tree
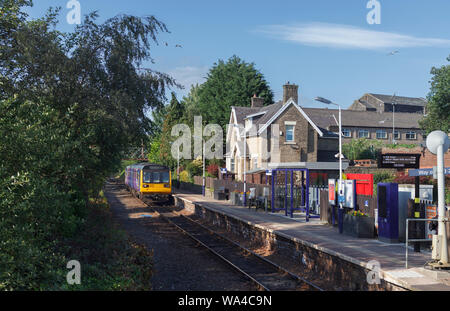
230,83
69,104
438,108
174,115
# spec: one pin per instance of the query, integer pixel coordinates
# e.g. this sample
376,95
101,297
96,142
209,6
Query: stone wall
331,269
304,147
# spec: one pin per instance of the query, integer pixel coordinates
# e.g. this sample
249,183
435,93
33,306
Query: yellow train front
147,180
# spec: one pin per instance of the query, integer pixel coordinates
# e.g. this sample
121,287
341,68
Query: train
149,181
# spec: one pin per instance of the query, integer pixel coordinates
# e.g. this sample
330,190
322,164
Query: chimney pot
290,91
257,102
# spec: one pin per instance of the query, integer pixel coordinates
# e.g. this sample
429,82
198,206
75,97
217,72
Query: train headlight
166,186
145,186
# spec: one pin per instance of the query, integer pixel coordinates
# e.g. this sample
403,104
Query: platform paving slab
323,237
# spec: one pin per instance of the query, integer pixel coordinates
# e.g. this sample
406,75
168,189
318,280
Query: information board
399,160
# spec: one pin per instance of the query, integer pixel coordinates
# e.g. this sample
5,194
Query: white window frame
365,131
232,165
347,131
397,135
384,132
293,133
409,133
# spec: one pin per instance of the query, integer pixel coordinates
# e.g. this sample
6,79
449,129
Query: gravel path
179,264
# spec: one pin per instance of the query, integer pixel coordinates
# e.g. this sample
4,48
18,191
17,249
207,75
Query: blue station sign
426,172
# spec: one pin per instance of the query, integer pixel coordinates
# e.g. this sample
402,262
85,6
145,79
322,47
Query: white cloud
347,37
189,75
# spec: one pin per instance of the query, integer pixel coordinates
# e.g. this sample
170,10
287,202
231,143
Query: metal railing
414,240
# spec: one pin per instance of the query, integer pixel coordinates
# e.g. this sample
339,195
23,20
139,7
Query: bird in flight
393,52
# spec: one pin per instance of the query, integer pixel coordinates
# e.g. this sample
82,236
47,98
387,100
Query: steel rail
219,236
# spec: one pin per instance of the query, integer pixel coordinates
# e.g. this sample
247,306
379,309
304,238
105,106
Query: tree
70,103
191,105
174,115
361,148
230,83
438,108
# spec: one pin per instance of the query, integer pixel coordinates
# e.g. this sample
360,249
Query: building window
255,163
411,135
381,134
363,134
290,133
232,165
346,133
396,135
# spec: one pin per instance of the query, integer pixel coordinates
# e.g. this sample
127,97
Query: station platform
324,238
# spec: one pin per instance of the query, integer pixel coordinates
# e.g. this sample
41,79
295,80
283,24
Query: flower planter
359,226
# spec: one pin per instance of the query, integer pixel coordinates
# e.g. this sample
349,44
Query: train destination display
399,160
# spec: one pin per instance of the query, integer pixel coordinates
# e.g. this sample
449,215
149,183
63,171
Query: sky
327,47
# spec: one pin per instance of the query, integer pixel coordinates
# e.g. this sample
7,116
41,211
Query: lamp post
341,209
438,143
178,165
393,118
204,176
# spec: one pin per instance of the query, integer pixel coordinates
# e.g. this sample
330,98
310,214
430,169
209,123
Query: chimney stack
290,91
257,102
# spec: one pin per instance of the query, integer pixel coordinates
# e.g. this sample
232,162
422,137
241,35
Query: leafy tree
230,83
191,105
438,108
361,148
175,112
70,103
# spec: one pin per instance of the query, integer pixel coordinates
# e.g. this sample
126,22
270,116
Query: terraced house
286,132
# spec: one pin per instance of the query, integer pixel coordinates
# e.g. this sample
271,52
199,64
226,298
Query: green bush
185,177
195,167
381,177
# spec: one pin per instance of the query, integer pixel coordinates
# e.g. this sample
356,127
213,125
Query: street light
329,102
204,176
438,144
393,118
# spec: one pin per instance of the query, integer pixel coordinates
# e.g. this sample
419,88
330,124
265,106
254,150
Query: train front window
156,177
165,177
147,178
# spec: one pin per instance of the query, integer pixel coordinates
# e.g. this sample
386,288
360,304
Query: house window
232,165
363,134
396,135
381,134
290,133
346,133
411,135
255,163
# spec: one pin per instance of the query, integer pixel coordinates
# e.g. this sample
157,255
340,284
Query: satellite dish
437,138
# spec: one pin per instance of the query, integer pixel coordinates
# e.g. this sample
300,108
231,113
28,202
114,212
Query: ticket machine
388,212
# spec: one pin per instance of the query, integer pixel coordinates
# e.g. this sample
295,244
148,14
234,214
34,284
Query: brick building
310,134
300,139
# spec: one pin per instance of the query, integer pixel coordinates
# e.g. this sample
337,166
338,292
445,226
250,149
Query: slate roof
401,100
323,117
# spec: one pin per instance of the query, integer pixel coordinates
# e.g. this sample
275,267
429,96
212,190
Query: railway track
265,274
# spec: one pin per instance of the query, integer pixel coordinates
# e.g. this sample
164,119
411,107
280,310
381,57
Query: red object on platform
364,183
